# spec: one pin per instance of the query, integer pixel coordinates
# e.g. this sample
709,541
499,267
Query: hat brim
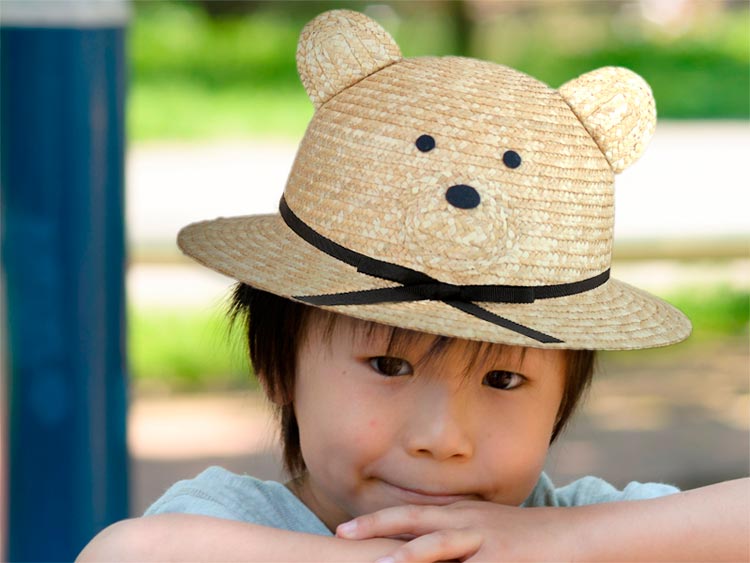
263,252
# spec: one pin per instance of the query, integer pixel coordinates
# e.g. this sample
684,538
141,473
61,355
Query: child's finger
411,519
442,545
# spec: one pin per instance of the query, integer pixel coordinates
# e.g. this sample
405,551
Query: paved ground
680,416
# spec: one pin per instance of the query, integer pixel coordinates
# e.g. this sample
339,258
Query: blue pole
63,259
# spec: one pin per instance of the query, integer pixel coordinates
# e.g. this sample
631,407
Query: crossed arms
707,524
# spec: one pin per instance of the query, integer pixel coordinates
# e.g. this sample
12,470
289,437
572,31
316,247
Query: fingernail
386,560
347,528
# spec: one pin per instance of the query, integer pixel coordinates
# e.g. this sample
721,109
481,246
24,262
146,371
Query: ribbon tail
485,315
363,297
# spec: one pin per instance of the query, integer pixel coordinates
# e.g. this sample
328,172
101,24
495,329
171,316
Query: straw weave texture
618,109
338,49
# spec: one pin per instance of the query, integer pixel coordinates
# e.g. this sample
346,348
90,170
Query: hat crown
361,179
465,170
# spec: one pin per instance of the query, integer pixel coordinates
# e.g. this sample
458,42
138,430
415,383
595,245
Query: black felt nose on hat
462,196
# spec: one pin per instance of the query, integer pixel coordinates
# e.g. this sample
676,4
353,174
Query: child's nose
438,426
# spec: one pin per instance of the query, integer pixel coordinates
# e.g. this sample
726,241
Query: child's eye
505,380
387,365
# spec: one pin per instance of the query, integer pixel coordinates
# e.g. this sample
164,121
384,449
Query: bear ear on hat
339,48
617,108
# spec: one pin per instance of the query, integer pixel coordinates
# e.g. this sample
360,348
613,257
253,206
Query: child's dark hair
275,327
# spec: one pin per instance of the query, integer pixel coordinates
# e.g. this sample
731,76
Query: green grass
197,78
697,73
190,111
190,350
185,350
715,312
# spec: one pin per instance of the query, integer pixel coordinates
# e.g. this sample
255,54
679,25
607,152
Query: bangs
419,347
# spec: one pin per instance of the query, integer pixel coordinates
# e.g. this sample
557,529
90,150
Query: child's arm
185,537
706,524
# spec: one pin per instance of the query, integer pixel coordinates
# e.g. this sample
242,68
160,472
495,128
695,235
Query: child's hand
706,524
467,531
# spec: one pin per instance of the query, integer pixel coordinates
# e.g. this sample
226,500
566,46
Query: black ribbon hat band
417,286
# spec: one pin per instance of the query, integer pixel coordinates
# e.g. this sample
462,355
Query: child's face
380,428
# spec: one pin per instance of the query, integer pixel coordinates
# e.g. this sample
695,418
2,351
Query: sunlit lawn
185,350
160,111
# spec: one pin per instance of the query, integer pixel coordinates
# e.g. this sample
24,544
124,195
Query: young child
424,312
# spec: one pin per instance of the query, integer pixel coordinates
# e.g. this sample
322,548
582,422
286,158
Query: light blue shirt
223,494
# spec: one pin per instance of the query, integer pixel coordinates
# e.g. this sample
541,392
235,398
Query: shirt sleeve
206,495
592,490
222,494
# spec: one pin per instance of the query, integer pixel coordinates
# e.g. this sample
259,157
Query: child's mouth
421,496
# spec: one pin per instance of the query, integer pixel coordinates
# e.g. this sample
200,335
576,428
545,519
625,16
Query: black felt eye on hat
511,159
425,143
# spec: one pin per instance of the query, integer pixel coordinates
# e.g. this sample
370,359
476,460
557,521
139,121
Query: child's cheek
365,429
366,435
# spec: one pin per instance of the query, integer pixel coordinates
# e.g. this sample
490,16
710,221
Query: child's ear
338,49
617,108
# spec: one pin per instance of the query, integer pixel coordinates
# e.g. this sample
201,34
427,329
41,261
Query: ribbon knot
437,291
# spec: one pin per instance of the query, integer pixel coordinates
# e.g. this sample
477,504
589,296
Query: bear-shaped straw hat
451,196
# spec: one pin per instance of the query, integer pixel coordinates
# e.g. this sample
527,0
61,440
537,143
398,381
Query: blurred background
214,112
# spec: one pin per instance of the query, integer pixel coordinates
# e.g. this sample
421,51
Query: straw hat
451,196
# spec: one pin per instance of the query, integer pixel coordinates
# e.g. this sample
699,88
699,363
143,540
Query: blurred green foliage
185,350
714,311
195,75
192,350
